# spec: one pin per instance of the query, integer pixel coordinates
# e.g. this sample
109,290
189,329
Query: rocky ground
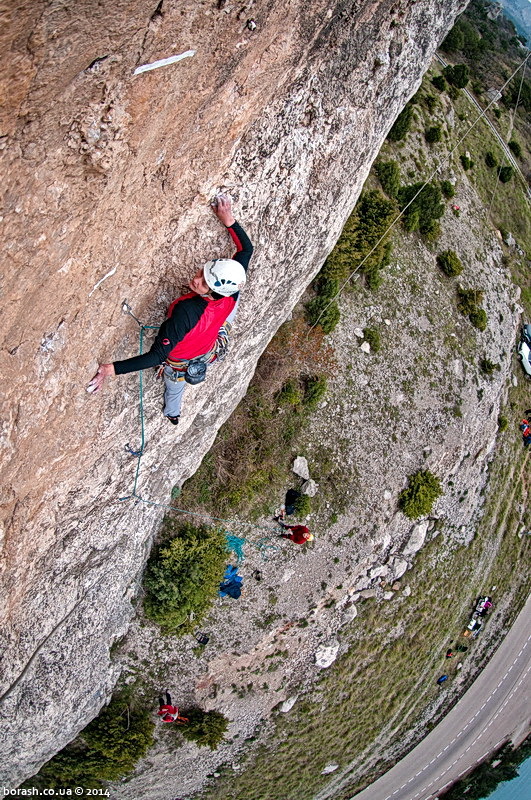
421,401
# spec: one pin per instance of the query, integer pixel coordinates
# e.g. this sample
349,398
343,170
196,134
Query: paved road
495,708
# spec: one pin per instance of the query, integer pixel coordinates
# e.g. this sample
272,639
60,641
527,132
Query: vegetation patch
469,303
484,779
183,574
205,728
106,750
450,263
421,493
422,207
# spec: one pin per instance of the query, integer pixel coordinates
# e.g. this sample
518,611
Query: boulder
300,468
400,565
416,539
310,488
326,654
288,704
365,346
329,768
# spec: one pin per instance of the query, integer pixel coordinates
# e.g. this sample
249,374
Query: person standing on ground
198,323
299,534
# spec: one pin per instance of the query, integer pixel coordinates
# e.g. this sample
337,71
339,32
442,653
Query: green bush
303,505
447,189
363,230
466,162
182,577
457,76
290,394
468,300
450,263
425,209
439,81
372,335
314,390
503,422
487,367
107,749
479,319
401,125
505,174
322,312
388,173
433,134
423,490
490,159
205,728
515,147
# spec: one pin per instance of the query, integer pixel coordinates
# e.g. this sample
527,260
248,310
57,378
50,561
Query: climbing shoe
174,420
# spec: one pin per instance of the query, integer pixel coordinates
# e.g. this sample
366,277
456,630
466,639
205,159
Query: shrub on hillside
450,263
323,312
388,173
421,493
505,174
515,148
289,394
439,81
363,231
303,505
466,162
372,335
457,76
183,575
433,134
205,728
490,159
401,125
488,367
469,303
422,207
107,749
447,189
314,390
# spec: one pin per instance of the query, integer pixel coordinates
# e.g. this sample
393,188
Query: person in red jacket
169,712
197,323
299,533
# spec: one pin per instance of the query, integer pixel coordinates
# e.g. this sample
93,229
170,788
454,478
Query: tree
422,206
455,39
433,134
389,176
505,173
439,81
401,125
182,577
447,189
490,159
515,148
457,76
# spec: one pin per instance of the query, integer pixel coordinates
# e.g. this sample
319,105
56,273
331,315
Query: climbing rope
234,542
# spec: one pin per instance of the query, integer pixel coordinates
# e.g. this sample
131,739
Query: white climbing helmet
224,276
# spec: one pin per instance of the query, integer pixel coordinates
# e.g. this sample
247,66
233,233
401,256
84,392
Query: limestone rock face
106,178
326,654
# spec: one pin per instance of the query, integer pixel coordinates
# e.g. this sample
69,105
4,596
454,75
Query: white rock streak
164,62
108,275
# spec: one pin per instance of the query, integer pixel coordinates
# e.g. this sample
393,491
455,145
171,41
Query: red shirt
168,713
298,534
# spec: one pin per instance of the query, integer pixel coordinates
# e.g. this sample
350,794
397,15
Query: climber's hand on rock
222,208
104,371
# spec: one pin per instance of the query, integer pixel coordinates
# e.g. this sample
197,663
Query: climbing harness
234,543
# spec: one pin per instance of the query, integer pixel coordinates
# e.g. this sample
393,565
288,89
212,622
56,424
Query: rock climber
198,323
298,533
169,712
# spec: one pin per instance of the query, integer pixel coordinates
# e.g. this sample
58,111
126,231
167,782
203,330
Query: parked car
524,348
